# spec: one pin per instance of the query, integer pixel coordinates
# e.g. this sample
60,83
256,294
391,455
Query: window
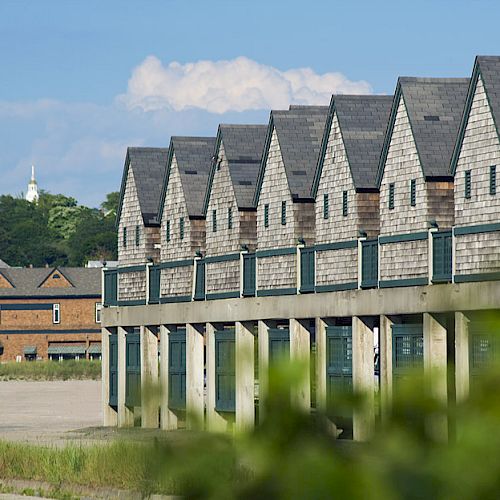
391,196
283,213
167,230
98,308
344,203
467,188
56,314
266,215
326,207
413,192
137,235
124,237
493,180
56,277
181,228
230,218
214,221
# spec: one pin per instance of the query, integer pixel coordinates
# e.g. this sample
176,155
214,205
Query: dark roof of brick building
194,159
243,146
434,107
26,282
148,166
299,131
363,122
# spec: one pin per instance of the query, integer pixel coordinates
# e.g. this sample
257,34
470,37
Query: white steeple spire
32,194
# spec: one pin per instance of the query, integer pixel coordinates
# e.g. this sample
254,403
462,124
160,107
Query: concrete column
109,415
435,367
385,348
244,376
194,376
263,345
168,417
363,378
321,365
149,378
125,414
461,356
215,421
300,352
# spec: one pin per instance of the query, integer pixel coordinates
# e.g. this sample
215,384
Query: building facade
50,313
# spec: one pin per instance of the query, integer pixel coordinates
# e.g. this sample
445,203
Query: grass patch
51,370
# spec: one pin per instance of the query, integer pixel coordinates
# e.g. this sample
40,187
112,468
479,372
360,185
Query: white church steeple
32,194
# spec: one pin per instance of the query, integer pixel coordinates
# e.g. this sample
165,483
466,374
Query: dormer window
56,276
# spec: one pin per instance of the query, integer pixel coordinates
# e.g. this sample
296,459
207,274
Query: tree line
56,231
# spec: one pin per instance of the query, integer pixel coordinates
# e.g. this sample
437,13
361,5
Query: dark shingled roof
243,145
27,281
148,166
434,107
194,159
299,130
363,121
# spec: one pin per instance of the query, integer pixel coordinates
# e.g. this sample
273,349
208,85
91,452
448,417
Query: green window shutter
249,275
493,179
391,196
283,213
199,290
137,235
344,203
279,344
407,350
110,287
413,192
468,186
154,285
177,369
230,218
369,263
307,281
181,227
225,366
124,237
133,370
266,215
113,370
214,221
168,231
326,206
441,256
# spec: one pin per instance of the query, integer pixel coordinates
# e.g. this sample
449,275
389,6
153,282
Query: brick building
50,313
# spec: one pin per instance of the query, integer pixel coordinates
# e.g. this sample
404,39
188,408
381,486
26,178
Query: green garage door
407,350
279,344
225,391
177,370
113,370
484,348
133,370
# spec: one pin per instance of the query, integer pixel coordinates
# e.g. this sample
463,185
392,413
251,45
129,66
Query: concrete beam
300,352
125,414
194,376
363,378
109,414
385,352
149,379
462,380
245,376
168,418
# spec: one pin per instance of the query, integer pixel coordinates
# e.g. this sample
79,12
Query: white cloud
236,85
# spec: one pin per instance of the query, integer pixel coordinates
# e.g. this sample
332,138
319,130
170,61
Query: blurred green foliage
51,370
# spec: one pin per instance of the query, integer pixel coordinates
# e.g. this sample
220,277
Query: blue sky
81,80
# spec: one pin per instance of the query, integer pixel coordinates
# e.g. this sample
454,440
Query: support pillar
194,376
321,365
125,414
263,344
149,379
109,415
385,348
363,378
300,352
168,417
244,376
462,368
215,421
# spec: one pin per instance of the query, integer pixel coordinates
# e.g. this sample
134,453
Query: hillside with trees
57,231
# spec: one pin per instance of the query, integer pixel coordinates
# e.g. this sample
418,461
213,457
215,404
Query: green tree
110,205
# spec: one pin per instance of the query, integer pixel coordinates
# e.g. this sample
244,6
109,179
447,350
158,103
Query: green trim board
222,258
234,294
175,263
336,245
26,307
130,269
468,278
275,252
401,238
138,302
403,282
271,292
351,285
175,298
477,229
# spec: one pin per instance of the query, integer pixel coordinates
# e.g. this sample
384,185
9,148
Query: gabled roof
299,130
194,159
26,282
434,107
489,69
148,166
243,146
363,121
